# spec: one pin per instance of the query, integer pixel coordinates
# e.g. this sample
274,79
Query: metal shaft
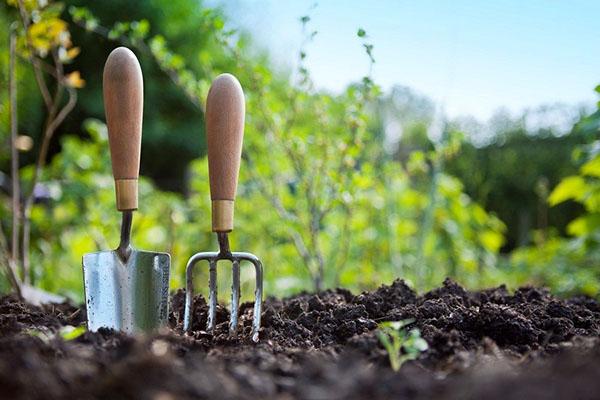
224,251
124,249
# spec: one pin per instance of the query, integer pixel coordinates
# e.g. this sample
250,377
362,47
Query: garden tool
125,289
224,134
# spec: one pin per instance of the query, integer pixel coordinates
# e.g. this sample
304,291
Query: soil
488,344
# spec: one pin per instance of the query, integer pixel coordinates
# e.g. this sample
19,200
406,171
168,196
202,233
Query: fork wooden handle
225,111
123,89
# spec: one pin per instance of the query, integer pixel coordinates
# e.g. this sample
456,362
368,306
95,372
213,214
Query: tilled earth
488,344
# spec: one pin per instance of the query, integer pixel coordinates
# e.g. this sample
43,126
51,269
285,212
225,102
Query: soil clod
488,343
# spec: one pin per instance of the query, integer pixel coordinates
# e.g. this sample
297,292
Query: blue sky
470,56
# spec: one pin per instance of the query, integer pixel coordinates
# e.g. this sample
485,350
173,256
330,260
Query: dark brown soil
489,344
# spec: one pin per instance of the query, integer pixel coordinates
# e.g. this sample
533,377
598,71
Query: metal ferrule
222,215
126,191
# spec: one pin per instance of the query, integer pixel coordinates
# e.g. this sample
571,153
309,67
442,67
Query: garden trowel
125,289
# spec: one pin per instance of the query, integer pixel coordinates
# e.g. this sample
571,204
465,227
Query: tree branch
37,70
10,265
11,260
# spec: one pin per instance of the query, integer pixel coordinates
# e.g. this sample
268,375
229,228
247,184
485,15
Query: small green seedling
71,332
67,333
400,344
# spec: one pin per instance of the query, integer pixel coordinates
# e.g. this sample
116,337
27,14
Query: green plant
82,217
400,344
66,333
42,38
70,332
568,265
320,198
294,125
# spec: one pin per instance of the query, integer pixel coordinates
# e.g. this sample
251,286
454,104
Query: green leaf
571,187
491,240
584,225
140,28
218,23
361,33
70,332
397,325
592,168
421,344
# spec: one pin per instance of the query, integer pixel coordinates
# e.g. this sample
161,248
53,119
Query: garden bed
490,344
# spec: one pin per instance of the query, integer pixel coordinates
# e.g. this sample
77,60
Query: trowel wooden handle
224,134
123,89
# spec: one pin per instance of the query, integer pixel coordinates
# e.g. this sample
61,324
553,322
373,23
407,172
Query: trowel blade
130,297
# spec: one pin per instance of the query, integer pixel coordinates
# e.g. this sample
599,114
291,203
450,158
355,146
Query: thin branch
304,253
32,58
318,255
53,120
52,125
47,68
11,260
10,265
339,256
14,165
66,110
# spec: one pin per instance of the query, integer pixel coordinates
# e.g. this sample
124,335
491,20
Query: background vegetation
326,198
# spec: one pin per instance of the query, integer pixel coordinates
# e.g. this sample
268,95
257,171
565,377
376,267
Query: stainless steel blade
130,297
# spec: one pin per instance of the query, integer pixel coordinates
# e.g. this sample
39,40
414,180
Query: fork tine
212,295
235,258
189,296
235,297
257,297
189,288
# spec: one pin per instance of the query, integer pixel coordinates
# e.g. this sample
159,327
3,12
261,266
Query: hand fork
224,135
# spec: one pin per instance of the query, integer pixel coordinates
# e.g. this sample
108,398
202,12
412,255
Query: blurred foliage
512,177
507,164
380,240
41,37
175,124
81,215
322,200
319,199
568,265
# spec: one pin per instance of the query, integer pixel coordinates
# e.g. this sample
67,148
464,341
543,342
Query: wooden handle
123,89
224,134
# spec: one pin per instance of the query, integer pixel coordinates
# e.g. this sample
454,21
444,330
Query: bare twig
55,117
14,165
10,265
51,126
11,259
339,254
37,69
